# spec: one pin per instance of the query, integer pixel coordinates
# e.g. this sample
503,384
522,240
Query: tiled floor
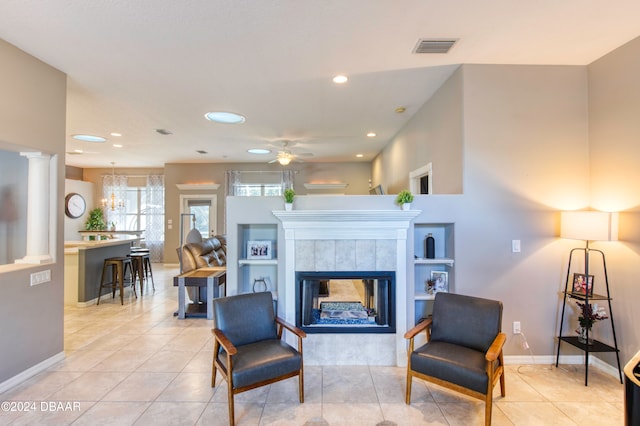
138,364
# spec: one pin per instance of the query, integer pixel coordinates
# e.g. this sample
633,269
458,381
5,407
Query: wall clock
74,205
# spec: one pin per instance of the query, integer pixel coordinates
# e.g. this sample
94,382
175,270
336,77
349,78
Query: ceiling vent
164,132
434,45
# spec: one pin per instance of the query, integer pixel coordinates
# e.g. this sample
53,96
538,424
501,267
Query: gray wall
32,115
614,150
524,139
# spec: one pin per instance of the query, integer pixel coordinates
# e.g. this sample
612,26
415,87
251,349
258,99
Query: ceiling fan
286,156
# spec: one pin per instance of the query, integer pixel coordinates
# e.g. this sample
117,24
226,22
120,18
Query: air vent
163,132
201,152
433,46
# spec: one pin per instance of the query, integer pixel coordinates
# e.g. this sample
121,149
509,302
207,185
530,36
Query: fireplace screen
345,302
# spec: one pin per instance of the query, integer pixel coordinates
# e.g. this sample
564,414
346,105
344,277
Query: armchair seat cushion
264,360
456,364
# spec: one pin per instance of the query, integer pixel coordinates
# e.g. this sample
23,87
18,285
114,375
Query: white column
38,209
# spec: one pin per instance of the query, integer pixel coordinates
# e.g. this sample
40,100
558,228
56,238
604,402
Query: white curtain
154,211
114,187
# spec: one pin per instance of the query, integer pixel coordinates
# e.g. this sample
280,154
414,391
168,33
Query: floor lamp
588,226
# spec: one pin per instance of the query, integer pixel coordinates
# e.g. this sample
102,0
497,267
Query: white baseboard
564,359
26,374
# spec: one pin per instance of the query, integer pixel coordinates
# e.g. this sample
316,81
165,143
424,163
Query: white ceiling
135,66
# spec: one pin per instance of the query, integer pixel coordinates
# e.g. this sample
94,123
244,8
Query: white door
203,207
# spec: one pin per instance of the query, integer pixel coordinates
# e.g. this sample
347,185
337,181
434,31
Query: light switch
515,246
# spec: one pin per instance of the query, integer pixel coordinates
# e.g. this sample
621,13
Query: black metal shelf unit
596,346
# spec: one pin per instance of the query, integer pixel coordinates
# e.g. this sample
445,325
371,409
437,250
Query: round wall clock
74,205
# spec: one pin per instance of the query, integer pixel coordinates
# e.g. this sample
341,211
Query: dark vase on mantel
430,247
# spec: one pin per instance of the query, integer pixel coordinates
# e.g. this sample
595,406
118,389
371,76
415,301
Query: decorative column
38,209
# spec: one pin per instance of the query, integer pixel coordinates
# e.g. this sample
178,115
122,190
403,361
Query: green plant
404,197
96,220
289,195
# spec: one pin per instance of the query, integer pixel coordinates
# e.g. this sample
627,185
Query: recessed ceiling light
259,151
400,110
89,138
117,145
225,117
340,79
371,135
79,151
359,155
117,135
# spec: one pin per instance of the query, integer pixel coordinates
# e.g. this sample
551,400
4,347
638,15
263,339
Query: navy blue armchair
248,349
463,350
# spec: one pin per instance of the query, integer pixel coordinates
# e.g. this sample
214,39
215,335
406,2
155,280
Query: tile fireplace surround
349,240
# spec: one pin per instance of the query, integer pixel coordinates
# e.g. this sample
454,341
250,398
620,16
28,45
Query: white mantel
349,240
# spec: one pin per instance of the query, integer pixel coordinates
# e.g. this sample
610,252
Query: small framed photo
580,284
441,279
259,249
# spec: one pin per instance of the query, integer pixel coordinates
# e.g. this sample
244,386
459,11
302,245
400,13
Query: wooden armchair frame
220,340
494,374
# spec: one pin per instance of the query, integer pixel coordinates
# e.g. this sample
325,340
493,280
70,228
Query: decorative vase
430,247
406,206
582,336
288,206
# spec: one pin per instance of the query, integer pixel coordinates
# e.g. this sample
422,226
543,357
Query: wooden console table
212,278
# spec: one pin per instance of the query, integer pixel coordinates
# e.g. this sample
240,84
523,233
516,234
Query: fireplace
346,301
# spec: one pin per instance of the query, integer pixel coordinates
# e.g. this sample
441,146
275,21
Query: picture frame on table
441,279
259,249
580,285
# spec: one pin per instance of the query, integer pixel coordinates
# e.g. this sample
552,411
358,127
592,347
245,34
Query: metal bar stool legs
118,266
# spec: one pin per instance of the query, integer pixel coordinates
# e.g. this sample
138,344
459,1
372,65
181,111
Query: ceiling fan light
284,161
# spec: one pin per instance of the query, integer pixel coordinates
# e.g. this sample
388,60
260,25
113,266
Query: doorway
204,207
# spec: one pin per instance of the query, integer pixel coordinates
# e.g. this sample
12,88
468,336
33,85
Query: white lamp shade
589,225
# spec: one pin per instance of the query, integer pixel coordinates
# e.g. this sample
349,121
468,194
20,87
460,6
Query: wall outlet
516,327
41,277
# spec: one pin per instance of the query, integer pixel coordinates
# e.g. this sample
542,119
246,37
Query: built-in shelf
424,296
244,262
198,186
439,261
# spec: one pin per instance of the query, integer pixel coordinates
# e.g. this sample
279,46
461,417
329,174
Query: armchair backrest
465,320
245,318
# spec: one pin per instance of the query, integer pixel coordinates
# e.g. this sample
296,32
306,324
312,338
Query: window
258,183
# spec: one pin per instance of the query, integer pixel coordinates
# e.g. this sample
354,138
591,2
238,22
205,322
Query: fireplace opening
345,302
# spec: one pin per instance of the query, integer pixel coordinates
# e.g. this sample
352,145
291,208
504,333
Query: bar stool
145,265
118,266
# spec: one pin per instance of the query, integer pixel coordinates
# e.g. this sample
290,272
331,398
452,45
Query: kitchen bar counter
83,261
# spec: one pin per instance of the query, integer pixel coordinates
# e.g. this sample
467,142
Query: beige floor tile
418,413
81,360
55,414
352,414
41,386
352,384
91,386
246,414
200,363
167,361
123,361
535,414
596,413
193,387
172,414
105,413
289,414
140,387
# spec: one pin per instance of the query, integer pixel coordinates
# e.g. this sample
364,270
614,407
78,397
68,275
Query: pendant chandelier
112,202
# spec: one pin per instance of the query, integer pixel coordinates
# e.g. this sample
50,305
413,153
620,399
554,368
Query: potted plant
95,222
289,195
404,199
